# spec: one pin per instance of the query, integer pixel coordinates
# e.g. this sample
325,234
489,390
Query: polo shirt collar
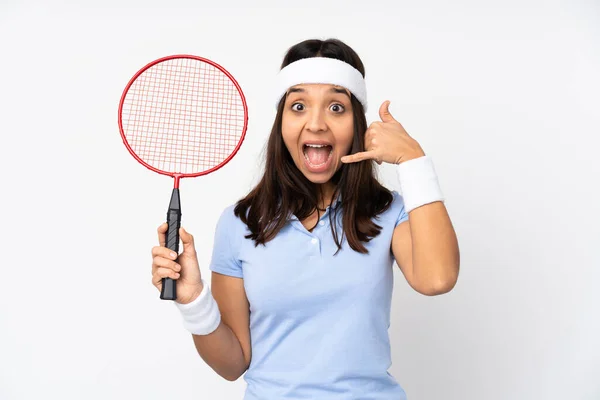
336,202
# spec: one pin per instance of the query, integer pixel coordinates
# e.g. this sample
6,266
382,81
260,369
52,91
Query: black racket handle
168,291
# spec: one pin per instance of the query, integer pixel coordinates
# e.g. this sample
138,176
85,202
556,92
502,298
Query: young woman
302,273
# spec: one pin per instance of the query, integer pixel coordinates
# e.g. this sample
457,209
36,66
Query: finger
368,136
371,144
384,112
162,230
188,241
160,262
163,273
161,251
363,155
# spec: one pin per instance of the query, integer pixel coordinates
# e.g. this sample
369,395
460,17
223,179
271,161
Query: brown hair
283,188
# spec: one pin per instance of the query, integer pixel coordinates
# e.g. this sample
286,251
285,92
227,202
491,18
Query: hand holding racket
182,116
183,269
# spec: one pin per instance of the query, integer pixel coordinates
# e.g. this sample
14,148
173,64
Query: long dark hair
283,188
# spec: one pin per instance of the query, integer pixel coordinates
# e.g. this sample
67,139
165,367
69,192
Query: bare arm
426,249
227,350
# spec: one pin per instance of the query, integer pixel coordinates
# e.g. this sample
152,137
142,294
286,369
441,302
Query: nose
316,121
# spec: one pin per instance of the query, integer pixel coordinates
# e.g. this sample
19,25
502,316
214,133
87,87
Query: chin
318,179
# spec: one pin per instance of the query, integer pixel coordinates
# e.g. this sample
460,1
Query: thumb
188,241
384,112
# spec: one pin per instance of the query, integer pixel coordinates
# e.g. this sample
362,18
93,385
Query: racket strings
183,116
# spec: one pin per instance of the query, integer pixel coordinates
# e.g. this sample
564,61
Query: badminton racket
182,116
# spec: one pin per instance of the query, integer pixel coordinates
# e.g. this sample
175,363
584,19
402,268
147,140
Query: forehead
317,88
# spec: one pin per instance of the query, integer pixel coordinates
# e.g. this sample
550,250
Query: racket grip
168,291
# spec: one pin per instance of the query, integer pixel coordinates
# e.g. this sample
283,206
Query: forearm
435,250
222,351
215,341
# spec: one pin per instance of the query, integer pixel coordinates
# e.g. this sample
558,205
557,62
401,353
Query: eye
338,106
300,104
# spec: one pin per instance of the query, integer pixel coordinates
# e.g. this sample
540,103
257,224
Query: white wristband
202,315
418,182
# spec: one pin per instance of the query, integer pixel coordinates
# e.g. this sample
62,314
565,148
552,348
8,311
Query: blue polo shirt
318,322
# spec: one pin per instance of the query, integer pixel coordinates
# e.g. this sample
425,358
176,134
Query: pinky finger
161,273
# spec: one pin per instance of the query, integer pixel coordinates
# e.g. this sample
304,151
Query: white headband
321,70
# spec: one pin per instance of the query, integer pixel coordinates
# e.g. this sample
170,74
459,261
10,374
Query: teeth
316,145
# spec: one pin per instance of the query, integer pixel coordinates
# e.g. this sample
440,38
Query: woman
301,267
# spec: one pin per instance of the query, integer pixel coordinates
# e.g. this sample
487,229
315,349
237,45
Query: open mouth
317,155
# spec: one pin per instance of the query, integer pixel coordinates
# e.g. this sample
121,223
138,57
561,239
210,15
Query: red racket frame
178,176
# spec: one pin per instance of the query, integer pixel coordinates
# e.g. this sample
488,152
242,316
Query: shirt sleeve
399,208
226,245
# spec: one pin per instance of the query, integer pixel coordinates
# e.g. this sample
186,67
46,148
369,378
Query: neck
325,192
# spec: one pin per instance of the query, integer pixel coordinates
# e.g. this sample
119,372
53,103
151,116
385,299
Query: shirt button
321,223
314,241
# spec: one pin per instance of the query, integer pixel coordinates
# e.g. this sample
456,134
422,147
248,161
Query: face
318,128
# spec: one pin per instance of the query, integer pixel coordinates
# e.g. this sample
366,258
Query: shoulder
398,200
229,220
396,210
397,203
226,245
230,230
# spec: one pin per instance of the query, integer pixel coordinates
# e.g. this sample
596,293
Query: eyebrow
332,90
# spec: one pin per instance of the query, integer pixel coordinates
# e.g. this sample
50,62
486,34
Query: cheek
291,143
290,132
288,138
347,138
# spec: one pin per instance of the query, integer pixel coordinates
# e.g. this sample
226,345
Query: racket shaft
174,221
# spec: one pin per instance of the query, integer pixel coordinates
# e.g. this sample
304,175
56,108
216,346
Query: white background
504,95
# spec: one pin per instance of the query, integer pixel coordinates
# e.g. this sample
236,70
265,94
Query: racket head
183,116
